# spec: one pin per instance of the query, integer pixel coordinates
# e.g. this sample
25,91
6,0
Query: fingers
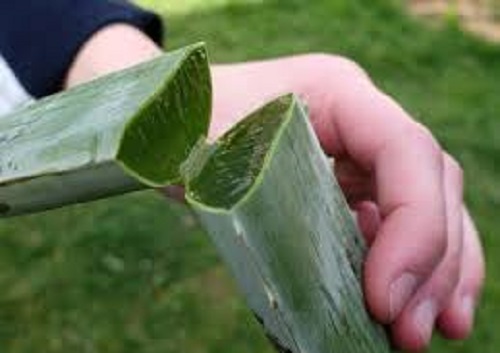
414,324
355,182
457,319
407,163
416,226
412,238
368,217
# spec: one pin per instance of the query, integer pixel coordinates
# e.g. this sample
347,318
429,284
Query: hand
425,265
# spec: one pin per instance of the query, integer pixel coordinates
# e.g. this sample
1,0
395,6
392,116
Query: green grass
136,274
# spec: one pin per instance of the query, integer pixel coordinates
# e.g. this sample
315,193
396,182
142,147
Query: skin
425,266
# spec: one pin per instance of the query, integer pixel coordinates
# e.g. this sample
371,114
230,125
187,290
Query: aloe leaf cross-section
120,133
264,191
267,196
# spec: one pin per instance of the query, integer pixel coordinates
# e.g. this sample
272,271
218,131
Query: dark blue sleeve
40,38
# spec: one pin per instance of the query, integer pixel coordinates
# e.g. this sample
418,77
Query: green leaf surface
120,133
270,202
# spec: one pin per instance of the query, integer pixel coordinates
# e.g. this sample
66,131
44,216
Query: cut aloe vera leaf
119,133
268,198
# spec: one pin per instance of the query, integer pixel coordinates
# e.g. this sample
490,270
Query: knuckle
424,137
339,66
454,169
349,66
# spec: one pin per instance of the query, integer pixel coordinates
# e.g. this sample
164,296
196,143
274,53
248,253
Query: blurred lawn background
136,274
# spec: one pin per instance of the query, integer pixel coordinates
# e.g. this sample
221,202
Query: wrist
110,49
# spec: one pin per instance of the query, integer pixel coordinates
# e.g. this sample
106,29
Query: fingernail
400,292
425,315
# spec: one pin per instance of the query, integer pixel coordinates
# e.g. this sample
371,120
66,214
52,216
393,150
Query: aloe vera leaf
268,198
265,191
120,133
